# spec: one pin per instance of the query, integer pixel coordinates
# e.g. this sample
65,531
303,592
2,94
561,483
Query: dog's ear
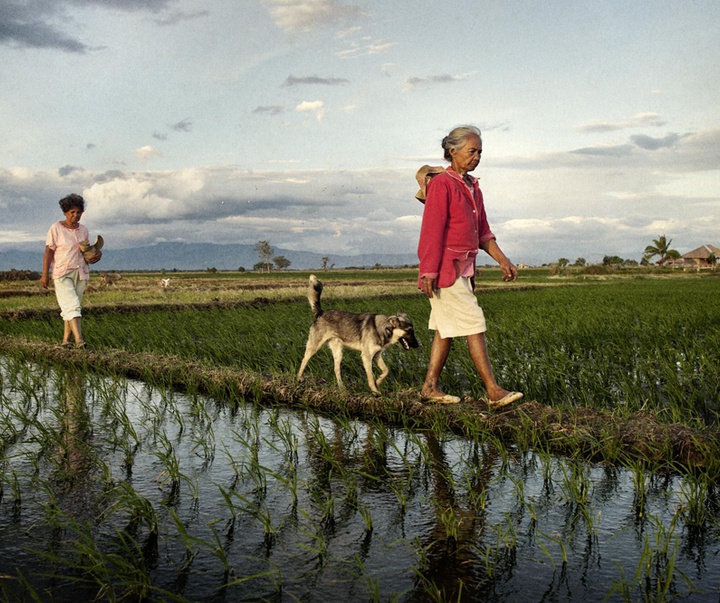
391,324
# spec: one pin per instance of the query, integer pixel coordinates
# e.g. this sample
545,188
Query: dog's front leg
383,367
367,360
336,347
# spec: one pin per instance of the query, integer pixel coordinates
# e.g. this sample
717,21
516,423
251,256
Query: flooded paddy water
113,489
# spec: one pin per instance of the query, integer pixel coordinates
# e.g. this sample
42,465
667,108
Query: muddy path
578,432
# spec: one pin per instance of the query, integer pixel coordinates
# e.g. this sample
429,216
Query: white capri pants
454,311
69,290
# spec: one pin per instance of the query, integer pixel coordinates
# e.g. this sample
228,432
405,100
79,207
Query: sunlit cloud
315,107
638,120
146,152
307,15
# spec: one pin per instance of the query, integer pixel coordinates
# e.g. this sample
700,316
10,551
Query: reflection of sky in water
514,513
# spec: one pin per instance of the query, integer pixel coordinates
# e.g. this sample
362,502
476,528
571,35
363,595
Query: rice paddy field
178,458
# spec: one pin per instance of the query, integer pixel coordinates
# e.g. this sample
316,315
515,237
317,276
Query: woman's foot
66,345
81,345
502,398
439,397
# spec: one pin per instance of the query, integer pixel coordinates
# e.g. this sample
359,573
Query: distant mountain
200,256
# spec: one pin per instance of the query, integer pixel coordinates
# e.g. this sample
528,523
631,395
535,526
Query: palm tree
661,247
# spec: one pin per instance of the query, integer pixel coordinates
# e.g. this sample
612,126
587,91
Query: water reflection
75,427
452,566
304,507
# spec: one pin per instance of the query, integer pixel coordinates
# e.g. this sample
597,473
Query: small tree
661,247
612,260
265,251
324,262
580,262
281,262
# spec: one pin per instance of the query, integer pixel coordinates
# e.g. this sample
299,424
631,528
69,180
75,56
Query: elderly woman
454,228
69,266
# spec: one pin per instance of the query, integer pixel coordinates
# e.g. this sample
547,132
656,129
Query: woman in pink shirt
454,228
70,270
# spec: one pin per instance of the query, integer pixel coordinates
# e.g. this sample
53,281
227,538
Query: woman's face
467,158
73,215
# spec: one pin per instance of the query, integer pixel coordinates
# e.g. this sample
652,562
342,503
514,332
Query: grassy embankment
612,367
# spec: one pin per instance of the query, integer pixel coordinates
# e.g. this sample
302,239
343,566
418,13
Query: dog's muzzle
409,342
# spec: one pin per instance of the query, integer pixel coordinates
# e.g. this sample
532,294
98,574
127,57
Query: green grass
628,345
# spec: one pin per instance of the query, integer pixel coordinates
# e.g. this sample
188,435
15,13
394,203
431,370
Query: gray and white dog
370,334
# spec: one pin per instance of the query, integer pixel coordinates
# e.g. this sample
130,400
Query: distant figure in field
110,279
454,228
70,272
165,283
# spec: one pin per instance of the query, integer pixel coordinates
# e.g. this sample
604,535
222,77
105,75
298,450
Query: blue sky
303,122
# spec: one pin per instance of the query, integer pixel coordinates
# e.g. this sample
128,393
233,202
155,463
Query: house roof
715,250
701,253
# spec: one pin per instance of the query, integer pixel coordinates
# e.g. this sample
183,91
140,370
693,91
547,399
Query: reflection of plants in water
655,576
379,511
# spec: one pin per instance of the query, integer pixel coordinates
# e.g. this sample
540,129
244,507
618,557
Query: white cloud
306,15
639,120
146,152
315,107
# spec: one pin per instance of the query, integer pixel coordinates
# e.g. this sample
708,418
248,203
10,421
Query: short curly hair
73,200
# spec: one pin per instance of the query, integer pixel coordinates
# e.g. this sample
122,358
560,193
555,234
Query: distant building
705,256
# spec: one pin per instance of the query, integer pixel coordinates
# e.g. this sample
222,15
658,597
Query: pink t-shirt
65,243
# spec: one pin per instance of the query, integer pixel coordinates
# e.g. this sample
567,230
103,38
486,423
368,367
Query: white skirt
454,311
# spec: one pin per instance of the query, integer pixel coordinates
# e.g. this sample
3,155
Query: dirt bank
579,431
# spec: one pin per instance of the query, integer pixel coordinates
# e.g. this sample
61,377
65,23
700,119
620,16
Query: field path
593,435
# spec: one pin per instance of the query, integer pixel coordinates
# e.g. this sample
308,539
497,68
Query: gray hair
457,137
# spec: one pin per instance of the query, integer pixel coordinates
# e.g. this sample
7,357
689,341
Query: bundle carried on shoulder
423,176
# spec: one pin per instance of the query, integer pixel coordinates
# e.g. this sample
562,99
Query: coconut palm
661,247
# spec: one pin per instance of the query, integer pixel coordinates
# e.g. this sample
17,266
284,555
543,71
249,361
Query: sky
303,122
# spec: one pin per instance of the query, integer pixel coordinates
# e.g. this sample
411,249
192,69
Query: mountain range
201,256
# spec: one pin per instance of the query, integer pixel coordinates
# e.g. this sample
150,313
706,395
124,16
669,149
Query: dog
370,334
110,279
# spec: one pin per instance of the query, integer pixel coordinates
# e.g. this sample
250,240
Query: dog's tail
314,291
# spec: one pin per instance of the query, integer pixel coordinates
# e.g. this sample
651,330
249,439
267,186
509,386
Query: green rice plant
359,571
694,502
656,575
366,514
575,482
165,452
639,478
259,512
557,539
450,522
318,544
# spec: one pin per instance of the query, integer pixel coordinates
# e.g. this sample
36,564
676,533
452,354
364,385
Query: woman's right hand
44,281
427,285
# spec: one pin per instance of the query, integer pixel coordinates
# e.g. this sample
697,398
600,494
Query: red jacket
454,227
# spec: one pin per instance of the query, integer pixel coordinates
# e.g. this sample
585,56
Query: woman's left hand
509,271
